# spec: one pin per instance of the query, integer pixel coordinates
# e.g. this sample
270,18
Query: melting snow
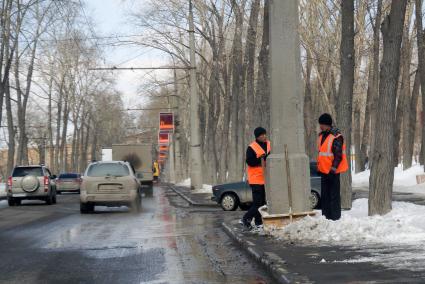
405,224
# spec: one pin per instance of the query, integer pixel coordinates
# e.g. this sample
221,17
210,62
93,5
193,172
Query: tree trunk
421,67
409,126
237,94
357,142
363,155
11,132
406,56
262,93
309,121
382,172
345,98
375,76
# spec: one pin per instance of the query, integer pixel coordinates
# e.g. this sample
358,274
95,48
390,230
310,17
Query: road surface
168,242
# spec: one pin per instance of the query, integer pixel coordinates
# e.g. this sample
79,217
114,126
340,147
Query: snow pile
2,190
206,188
186,183
404,181
404,225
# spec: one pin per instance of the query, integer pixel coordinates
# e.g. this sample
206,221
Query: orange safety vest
256,174
326,157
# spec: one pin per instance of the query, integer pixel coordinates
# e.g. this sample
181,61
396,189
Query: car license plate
19,195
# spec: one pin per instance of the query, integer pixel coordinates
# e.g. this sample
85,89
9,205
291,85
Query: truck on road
140,158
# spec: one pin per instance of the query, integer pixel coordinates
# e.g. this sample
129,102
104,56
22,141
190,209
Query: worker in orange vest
256,156
331,162
155,170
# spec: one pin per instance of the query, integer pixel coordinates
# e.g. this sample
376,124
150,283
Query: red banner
163,139
166,122
163,149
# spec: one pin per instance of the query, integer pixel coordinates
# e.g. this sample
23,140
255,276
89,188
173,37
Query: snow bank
404,225
404,181
3,192
206,188
186,182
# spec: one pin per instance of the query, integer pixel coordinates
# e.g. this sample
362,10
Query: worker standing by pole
331,162
256,156
195,144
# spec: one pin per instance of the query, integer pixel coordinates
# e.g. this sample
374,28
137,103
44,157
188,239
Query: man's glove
333,170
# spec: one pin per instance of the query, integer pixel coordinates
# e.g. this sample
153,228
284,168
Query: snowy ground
205,189
404,181
396,240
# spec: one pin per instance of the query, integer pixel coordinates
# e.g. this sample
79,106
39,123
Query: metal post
286,113
195,144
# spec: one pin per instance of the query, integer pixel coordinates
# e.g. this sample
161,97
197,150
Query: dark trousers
331,196
258,200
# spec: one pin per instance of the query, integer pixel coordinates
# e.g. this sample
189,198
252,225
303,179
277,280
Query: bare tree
382,173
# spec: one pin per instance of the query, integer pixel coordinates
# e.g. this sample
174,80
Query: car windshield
108,169
28,171
68,176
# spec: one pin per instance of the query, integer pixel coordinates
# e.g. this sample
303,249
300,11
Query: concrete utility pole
195,144
176,142
286,107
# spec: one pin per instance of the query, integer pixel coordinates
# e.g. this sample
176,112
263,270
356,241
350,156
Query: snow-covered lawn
206,188
404,181
396,240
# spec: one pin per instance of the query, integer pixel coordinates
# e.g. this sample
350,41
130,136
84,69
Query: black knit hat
259,131
325,119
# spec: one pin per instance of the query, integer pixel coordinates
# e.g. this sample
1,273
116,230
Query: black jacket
251,156
336,146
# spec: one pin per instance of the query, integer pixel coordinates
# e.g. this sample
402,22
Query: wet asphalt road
168,242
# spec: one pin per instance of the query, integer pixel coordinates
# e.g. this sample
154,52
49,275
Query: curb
189,200
273,263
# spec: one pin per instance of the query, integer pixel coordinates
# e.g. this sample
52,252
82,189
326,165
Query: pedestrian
256,156
155,170
331,162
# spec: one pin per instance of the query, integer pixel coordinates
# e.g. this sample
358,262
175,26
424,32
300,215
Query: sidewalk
295,263
194,199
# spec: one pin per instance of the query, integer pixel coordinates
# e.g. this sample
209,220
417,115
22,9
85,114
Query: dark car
238,194
68,182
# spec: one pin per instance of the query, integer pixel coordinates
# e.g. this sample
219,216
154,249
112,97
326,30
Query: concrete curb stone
189,200
272,262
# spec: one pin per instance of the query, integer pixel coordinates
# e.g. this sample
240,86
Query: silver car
68,182
31,182
110,184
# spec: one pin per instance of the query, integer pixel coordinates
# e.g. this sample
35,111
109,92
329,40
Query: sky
111,17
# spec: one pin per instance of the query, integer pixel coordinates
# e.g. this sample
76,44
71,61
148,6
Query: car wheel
18,202
245,206
54,199
314,200
11,201
58,192
86,208
136,206
229,202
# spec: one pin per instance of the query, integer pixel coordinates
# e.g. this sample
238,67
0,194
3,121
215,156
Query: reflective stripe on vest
256,174
325,156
